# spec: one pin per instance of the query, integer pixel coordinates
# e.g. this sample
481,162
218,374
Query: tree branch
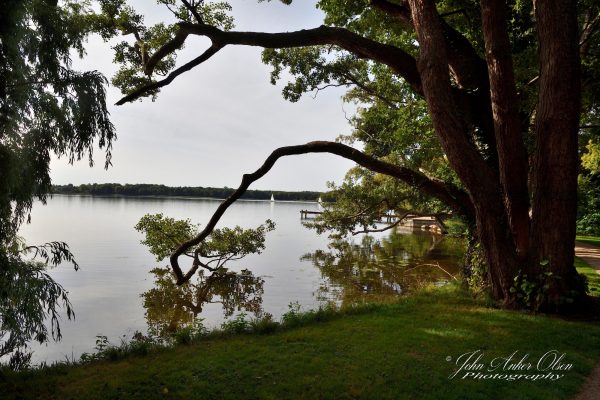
468,67
459,11
399,11
192,9
164,51
211,51
397,59
366,230
390,103
457,199
589,27
474,172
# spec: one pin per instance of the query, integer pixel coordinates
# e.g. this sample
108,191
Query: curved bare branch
164,51
451,195
385,228
211,51
397,59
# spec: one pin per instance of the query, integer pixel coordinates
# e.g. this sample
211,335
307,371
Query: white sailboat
272,198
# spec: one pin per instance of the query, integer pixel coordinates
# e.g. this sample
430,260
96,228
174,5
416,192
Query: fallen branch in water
435,265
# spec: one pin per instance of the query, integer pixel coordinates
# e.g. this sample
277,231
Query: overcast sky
221,119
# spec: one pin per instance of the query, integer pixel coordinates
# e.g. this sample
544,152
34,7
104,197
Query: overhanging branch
397,59
211,51
454,197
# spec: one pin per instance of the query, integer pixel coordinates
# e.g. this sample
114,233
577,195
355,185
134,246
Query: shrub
589,224
237,325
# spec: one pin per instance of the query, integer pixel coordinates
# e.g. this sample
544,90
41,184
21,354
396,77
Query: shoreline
406,345
122,196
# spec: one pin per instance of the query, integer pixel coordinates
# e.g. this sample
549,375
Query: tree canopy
475,104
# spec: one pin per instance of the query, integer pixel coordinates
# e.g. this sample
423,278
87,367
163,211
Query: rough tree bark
477,176
555,159
512,157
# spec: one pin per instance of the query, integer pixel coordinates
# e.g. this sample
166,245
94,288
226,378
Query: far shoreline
159,197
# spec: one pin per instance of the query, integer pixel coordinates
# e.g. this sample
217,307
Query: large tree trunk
512,157
555,162
480,179
501,199
551,242
499,248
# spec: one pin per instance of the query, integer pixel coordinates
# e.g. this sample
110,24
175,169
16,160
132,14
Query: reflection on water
374,270
170,308
115,267
380,270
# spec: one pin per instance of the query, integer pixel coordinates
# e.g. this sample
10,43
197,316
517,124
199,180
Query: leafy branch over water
169,306
164,234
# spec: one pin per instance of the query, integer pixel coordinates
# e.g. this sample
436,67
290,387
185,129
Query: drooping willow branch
454,197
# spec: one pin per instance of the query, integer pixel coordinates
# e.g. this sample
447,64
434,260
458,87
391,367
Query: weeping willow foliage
46,107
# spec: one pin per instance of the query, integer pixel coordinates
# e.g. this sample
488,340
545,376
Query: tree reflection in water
169,307
380,270
374,270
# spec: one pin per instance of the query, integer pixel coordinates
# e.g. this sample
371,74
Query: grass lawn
394,351
585,269
592,276
593,240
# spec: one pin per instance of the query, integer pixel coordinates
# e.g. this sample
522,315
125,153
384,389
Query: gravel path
590,254
591,388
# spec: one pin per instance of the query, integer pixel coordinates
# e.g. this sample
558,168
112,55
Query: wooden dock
388,218
416,221
304,214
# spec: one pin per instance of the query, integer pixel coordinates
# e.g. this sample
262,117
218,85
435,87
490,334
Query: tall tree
502,86
46,107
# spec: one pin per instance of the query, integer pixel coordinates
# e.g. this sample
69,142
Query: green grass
585,269
593,240
590,273
394,351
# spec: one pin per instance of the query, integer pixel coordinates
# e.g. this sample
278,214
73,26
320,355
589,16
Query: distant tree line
116,189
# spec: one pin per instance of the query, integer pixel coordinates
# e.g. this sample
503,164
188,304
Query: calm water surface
121,288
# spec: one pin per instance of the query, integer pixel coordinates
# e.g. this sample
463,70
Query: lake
121,288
